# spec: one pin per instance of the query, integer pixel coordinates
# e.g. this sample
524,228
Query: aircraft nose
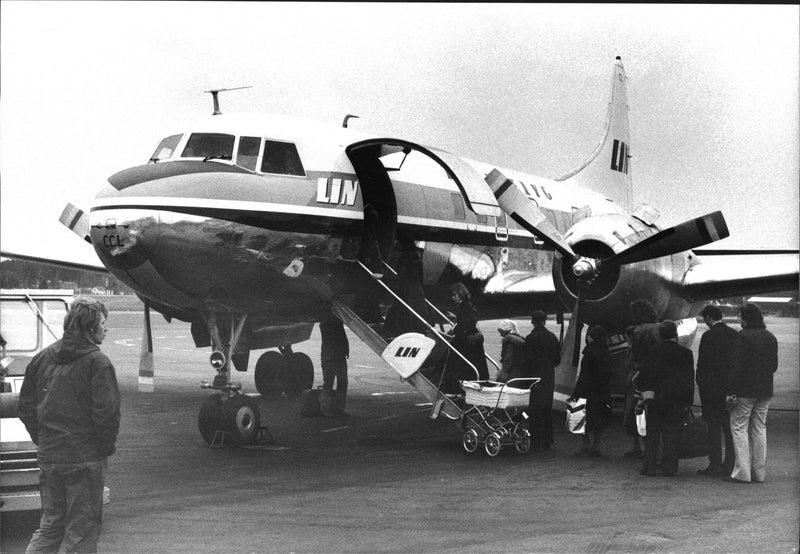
121,236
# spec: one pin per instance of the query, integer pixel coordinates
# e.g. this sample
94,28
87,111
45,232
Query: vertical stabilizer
607,169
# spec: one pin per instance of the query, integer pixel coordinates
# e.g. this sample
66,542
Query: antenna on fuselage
215,96
347,118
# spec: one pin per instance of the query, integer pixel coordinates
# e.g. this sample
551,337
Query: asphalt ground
389,479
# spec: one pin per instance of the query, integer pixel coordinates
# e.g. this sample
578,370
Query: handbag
474,339
641,422
576,416
693,436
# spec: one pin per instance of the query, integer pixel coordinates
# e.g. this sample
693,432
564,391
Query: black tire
470,440
492,444
269,373
242,419
303,367
210,418
299,374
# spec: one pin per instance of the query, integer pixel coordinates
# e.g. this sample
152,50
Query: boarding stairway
442,404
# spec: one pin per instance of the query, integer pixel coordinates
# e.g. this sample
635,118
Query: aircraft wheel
304,368
268,373
470,440
242,418
299,374
522,440
492,445
210,418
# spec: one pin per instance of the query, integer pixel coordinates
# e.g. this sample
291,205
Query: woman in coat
594,384
466,339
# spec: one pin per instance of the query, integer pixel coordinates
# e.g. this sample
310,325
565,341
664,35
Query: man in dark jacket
542,356
333,354
713,368
749,392
70,405
668,388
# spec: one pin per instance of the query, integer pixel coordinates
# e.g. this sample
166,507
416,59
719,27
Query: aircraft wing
87,266
741,273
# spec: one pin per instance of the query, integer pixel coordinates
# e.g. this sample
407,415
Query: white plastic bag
576,416
641,422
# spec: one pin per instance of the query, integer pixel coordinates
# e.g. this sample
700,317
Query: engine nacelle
607,293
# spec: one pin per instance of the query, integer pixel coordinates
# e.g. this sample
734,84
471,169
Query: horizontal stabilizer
408,352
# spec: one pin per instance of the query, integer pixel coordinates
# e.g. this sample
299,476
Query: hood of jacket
71,347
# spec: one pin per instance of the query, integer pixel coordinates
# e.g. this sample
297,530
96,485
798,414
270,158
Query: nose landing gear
228,415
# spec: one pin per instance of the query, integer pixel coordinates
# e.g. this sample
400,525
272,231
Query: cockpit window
165,148
247,155
208,146
281,158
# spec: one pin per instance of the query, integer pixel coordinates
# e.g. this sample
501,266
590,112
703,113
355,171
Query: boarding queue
734,376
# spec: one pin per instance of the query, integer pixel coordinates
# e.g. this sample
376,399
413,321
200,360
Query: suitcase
693,438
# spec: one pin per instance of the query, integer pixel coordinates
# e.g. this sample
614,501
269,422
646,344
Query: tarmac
389,479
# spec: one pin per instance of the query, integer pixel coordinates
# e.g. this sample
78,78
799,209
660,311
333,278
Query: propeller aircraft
254,227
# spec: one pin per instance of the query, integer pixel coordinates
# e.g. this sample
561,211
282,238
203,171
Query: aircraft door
380,205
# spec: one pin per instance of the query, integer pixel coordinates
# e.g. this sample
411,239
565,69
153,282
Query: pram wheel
522,441
470,440
492,445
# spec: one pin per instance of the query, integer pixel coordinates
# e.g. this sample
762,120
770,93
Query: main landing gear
284,372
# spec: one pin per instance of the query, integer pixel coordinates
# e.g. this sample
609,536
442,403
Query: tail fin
607,169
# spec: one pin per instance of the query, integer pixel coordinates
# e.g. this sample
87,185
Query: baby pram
495,415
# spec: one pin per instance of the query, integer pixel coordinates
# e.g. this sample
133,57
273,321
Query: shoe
648,472
582,453
710,471
593,453
730,479
634,454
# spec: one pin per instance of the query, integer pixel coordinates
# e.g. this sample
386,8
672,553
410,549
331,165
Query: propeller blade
76,220
567,370
146,366
685,236
520,208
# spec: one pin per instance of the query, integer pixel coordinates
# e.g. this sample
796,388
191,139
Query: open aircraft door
476,192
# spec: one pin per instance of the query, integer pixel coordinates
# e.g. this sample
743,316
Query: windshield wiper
217,157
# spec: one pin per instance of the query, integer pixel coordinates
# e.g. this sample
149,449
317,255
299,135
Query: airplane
252,228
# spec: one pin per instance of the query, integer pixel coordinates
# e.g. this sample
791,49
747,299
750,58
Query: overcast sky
90,88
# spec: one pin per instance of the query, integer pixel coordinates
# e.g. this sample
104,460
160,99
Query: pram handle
533,381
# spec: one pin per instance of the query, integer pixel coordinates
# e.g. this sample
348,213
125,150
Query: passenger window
209,146
459,206
247,155
281,158
165,149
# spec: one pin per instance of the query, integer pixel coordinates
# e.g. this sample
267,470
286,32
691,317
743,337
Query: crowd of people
70,401
734,376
